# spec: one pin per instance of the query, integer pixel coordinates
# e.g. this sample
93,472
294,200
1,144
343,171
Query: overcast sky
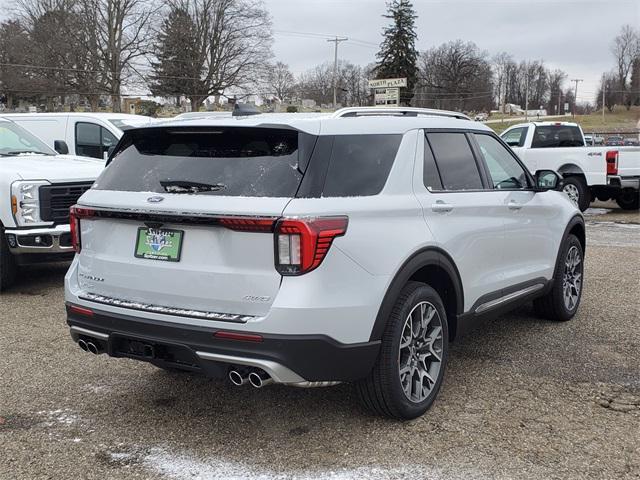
573,35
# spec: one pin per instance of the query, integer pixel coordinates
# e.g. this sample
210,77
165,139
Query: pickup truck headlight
25,202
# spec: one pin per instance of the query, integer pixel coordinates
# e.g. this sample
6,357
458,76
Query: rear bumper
623,182
287,358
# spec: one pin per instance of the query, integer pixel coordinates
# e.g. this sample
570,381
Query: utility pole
559,101
336,40
575,95
526,97
604,86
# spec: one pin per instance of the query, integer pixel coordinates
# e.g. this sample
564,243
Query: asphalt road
522,398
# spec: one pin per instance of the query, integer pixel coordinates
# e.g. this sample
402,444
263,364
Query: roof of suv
362,120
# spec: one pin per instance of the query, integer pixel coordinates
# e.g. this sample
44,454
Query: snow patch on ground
187,467
61,416
596,211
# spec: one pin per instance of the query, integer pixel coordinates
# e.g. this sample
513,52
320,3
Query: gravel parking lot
522,398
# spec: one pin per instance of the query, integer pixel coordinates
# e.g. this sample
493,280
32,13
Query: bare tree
455,75
116,33
501,63
280,81
317,84
625,49
231,44
555,80
15,49
610,84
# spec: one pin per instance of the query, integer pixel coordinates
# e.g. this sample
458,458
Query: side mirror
61,147
547,180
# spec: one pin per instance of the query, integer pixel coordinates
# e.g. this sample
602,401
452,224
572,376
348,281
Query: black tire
581,190
8,267
552,306
382,391
628,199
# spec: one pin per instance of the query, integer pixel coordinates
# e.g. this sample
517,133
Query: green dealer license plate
159,244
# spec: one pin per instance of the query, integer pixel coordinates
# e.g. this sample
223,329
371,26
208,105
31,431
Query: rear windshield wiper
185,186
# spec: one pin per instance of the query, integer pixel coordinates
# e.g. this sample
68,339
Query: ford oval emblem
155,199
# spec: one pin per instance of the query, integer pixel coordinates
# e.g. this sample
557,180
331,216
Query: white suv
311,250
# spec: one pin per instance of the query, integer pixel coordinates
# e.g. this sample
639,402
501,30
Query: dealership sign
386,91
388,83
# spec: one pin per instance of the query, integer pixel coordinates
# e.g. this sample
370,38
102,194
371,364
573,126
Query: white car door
463,215
530,219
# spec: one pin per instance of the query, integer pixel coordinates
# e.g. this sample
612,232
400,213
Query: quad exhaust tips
259,379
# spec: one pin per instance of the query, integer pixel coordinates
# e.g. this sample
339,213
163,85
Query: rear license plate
159,244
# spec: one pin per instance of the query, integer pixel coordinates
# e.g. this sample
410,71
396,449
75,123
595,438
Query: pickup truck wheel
562,301
409,371
629,199
577,191
8,268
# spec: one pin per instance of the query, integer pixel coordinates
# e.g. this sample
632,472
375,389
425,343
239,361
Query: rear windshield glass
557,136
248,162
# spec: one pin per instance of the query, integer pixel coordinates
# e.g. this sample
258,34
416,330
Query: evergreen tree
176,68
398,57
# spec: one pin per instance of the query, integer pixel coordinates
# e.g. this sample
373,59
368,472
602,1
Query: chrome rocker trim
507,298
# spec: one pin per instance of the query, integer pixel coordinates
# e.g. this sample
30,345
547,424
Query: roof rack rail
396,111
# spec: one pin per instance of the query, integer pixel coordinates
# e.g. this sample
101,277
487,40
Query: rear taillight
612,162
75,214
302,243
248,224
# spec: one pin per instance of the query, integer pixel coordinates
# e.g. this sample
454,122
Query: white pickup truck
605,173
37,187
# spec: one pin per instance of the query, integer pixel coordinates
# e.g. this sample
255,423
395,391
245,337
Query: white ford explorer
311,250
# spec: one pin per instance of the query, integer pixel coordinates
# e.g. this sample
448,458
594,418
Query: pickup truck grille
55,200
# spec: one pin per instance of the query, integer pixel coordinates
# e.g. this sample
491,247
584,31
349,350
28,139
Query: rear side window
227,161
360,164
456,163
553,136
92,140
515,137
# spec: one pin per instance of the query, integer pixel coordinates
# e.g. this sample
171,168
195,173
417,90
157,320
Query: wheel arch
576,227
569,169
437,269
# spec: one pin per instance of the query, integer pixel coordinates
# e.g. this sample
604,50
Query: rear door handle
513,205
441,207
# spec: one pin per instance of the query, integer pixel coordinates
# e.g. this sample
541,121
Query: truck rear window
227,161
553,136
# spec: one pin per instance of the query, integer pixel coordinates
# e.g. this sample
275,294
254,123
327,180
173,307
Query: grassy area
619,120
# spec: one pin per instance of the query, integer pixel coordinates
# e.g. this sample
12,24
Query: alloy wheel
420,352
572,280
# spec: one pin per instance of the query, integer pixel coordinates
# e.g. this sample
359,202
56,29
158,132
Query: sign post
386,91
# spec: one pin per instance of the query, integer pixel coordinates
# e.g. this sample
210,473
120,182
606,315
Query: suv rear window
553,136
227,161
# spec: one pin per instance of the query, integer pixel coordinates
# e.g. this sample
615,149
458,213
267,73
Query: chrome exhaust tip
236,378
93,348
83,345
260,379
